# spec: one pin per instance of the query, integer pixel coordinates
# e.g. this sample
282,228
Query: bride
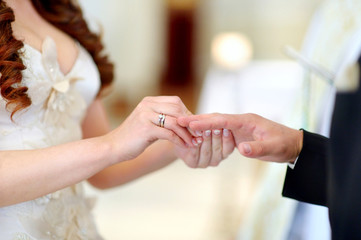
53,129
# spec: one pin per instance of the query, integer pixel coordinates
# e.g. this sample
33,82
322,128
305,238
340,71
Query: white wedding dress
59,103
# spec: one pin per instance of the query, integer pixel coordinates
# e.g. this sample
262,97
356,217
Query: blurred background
217,55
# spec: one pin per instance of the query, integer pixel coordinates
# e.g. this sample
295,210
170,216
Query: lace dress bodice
59,103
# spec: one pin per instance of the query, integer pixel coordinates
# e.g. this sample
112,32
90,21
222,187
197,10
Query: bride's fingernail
207,133
217,132
225,132
199,133
194,142
199,140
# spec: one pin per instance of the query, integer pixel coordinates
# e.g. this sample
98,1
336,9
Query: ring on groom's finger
161,120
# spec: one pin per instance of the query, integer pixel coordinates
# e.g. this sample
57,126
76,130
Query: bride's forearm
28,174
155,157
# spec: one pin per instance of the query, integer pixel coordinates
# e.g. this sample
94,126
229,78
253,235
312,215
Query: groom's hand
255,136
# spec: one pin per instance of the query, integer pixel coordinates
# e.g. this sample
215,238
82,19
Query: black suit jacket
328,171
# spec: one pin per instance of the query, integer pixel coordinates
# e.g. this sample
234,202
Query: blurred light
231,50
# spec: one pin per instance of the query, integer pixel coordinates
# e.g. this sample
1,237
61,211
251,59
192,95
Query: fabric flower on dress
64,101
66,216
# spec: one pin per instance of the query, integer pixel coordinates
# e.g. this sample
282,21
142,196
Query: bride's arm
158,155
28,174
155,157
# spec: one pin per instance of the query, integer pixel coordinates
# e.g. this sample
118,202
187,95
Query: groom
322,171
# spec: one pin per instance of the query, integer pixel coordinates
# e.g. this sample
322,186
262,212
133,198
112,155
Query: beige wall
268,23
134,33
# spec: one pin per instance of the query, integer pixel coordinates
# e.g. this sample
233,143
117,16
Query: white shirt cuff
292,165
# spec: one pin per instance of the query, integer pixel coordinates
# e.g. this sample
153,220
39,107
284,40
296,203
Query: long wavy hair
65,15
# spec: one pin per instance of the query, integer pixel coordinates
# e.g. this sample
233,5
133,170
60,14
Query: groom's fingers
212,122
185,120
204,121
257,149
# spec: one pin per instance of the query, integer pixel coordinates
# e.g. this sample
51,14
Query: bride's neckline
40,52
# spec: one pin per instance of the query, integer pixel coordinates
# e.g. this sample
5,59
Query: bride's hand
144,126
211,147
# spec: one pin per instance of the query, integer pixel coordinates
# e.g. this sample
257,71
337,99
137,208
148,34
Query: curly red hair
65,15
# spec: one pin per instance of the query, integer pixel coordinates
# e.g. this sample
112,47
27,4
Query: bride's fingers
192,158
228,143
217,154
169,99
205,155
193,133
165,134
170,106
170,123
171,109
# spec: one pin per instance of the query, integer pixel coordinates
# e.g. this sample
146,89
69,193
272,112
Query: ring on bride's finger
161,120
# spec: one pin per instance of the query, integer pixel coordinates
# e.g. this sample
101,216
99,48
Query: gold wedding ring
161,120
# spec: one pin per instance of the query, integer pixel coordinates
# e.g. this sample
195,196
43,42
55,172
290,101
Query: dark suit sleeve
307,181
